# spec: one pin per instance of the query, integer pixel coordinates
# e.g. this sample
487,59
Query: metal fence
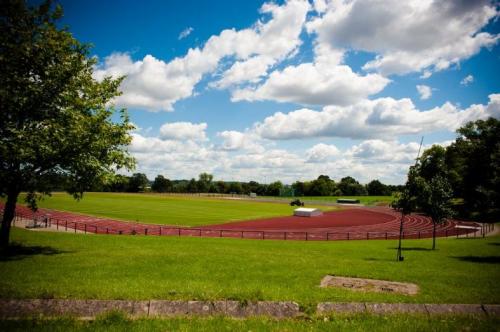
158,230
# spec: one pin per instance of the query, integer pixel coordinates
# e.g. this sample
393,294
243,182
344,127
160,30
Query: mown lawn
63,265
169,210
115,322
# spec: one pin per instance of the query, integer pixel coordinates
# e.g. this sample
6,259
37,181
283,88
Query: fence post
160,230
179,230
200,232
107,230
57,224
95,229
386,235
75,227
367,235
66,227
347,235
145,231
85,228
307,236
220,233
241,234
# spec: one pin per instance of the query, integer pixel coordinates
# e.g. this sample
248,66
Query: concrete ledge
275,309
389,308
153,308
81,308
492,309
334,307
467,309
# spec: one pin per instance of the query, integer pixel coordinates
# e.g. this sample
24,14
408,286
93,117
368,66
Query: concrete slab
333,307
466,309
167,308
390,308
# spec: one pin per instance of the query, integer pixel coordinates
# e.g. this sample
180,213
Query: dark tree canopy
161,184
56,122
138,182
474,166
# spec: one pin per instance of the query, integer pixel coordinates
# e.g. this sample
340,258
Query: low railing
131,229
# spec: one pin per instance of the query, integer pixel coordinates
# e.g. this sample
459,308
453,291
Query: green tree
273,189
406,202
377,188
54,116
435,192
474,166
434,201
235,187
192,186
204,182
138,182
161,184
350,187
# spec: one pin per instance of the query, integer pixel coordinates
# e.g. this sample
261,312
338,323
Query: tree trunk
8,216
433,235
400,234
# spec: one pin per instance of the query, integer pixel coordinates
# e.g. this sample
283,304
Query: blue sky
289,90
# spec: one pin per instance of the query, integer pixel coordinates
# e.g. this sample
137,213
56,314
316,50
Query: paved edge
10,309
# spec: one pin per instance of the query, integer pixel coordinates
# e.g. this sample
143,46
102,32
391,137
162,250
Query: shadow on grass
494,244
412,249
479,259
373,259
18,251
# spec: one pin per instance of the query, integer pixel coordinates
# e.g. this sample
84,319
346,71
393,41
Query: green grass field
64,265
351,323
168,210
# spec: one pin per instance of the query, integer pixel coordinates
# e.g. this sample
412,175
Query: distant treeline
322,186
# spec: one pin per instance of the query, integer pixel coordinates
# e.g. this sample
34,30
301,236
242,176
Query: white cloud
467,80
322,152
235,140
183,131
314,84
156,85
184,33
379,118
371,159
408,36
424,91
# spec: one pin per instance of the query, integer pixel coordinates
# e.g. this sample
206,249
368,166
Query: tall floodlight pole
403,212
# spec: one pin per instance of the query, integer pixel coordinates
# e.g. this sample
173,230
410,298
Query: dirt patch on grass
369,285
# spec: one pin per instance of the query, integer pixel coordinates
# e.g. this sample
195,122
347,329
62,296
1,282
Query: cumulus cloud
183,131
370,159
424,91
408,36
379,118
314,84
184,33
235,140
155,85
322,152
467,80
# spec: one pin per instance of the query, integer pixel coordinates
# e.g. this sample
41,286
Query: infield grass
165,209
64,265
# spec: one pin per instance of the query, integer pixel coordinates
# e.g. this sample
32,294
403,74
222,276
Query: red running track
348,224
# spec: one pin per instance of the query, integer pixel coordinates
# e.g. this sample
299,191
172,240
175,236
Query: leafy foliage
56,122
